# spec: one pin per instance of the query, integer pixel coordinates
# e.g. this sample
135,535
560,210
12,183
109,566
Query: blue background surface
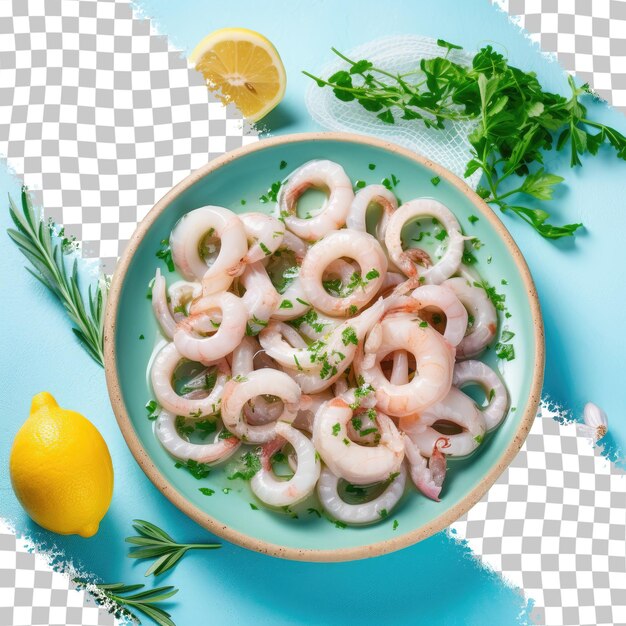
581,288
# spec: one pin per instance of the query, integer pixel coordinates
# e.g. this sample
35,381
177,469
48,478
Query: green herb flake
441,235
254,507
507,335
472,219
360,184
205,491
336,429
435,180
266,250
395,524
283,165
372,274
312,511
246,467
505,351
372,166
423,324
151,408
286,304
346,441
479,439
197,470
353,309
165,254
349,336
383,513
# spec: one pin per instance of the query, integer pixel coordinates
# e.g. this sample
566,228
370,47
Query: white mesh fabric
402,54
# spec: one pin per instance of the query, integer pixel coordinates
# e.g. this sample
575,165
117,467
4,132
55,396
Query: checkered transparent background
100,116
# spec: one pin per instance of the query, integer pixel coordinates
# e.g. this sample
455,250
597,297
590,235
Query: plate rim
311,554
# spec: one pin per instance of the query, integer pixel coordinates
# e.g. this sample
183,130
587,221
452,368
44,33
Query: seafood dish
330,352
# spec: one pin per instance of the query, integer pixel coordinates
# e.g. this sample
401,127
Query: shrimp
177,446
477,372
456,408
365,513
264,233
451,259
161,375
336,352
359,465
427,475
262,410
237,392
180,294
320,174
483,314
372,195
361,247
267,488
434,359
446,301
231,330
186,242
260,299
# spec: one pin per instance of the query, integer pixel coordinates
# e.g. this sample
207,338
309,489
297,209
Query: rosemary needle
155,543
46,250
124,601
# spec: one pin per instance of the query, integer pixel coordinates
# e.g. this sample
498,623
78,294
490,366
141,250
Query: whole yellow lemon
61,469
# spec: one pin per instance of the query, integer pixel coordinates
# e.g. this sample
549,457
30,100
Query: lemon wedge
244,68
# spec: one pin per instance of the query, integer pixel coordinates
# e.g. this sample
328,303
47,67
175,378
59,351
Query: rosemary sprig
515,121
41,245
155,543
124,605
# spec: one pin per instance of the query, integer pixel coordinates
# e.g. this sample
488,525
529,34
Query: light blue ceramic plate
245,175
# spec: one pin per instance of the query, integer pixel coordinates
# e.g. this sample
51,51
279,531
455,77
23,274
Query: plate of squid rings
323,347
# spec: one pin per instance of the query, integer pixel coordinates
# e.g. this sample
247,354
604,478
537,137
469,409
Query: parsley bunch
515,121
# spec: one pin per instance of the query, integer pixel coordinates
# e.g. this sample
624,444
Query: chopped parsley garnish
504,282
372,274
437,319
254,507
181,309
149,292
332,286
303,302
243,202
435,180
356,423
182,427
441,235
492,394
507,335
151,407
295,358
225,434
283,165
312,511
266,250
505,351
349,336
498,299
346,441
360,184
197,470
286,304
368,431
310,318
472,219
372,166
383,513
468,258
352,309
206,491
141,337
205,427
395,524
272,193
423,324
336,429
247,466
339,524
165,254
479,439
